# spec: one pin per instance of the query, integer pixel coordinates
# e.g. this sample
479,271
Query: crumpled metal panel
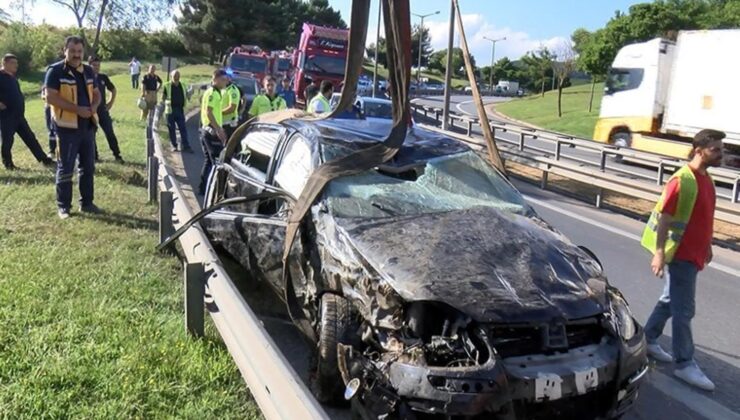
491,265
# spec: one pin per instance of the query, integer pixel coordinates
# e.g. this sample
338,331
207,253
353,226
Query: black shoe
187,149
91,208
63,213
9,166
119,159
48,162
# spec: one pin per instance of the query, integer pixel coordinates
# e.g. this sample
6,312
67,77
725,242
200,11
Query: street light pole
493,54
448,69
377,40
421,38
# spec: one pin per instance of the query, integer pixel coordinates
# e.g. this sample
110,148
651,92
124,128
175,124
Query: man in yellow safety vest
320,103
679,234
268,101
212,135
231,98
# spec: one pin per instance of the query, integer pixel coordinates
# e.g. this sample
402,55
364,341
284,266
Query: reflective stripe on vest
687,192
315,101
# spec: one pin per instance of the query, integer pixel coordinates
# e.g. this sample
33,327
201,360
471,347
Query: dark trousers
74,144
11,125
176,120
51,129
106,124
212,147
135,81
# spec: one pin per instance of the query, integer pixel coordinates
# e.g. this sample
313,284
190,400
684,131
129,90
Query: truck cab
247,60
321,55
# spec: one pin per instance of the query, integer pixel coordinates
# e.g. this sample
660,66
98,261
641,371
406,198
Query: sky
526,24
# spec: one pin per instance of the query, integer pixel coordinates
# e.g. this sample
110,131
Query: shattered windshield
446,183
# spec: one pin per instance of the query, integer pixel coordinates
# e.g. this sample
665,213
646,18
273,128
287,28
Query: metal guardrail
663,164
274,384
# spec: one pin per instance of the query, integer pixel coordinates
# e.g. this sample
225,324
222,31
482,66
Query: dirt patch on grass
727,233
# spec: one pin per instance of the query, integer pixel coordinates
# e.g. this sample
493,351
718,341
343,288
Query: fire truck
248,60
280,63
321,55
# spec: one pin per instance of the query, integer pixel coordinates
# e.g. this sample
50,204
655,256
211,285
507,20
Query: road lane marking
721,267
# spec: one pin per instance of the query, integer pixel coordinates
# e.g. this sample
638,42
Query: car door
251,231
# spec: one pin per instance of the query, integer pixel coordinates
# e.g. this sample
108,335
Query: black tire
335,319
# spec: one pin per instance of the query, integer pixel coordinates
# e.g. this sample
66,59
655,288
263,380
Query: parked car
427,284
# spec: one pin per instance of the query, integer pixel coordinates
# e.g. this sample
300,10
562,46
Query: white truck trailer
660,93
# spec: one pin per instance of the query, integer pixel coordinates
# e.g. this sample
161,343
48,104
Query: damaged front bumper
514,387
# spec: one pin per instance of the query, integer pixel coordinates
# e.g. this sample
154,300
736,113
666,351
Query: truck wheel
621,138
335,319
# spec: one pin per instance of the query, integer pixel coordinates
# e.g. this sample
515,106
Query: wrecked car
427,284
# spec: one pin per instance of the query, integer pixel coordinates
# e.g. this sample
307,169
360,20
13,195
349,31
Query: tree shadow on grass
23,179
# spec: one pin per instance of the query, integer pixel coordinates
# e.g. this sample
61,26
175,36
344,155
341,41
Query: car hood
492,265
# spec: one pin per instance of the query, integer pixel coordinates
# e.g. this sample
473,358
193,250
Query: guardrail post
152,172
470,128
166,209
436,116
521,141
661,170
557,149
543,180
602,163
736,191
195,290
599,198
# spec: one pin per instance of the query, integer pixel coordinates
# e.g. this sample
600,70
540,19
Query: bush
48,45
16,39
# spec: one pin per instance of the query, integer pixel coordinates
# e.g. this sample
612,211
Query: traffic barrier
275,386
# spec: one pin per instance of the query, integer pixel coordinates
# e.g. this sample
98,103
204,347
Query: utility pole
421,38
493,54
448,69
377,46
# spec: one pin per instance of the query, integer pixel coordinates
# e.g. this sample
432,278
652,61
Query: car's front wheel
335,319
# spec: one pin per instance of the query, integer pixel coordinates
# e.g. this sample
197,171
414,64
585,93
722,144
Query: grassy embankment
91,321
543,111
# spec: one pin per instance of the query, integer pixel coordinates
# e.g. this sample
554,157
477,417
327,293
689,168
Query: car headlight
623,316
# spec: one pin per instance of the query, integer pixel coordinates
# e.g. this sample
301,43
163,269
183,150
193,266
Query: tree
503,69
382,56
426,46
562,68
438,61
132,14
537,66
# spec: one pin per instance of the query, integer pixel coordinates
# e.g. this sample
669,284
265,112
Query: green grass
434,77
543,111
91,322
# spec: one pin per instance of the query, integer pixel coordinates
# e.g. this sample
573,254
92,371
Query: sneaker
91,208
51,155
692,375
174,148
63,213
656,352
119,159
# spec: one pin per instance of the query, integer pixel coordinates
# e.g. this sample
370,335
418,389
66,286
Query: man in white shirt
135,67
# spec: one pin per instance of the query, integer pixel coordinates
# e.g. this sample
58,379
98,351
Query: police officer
267,101
320,103
175,97
231,98
72,93
104,120
12,116
212,135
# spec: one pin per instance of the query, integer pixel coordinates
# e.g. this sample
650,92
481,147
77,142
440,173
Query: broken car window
447,183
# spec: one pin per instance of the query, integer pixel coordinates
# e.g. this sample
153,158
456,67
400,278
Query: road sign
169,64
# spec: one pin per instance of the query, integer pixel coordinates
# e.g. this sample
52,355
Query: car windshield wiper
317,67
383,209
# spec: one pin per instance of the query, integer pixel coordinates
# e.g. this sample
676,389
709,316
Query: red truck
321,55
248,60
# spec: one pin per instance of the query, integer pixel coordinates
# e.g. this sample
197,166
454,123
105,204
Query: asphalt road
613,238
463,105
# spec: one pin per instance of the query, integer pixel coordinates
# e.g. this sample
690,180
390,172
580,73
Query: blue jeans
176,119
74,143
677,302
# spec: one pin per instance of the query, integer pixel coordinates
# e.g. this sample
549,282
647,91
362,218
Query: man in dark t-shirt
12,116
104,120
150,85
